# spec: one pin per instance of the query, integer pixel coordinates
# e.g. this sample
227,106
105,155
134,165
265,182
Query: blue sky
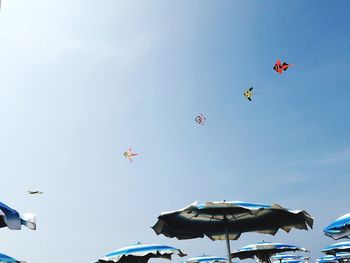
81,81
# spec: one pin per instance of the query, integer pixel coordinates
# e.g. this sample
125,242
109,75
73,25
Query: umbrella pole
228,245
268,259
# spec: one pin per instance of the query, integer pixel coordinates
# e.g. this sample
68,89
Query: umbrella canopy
140,253
6,259
13,220
227,220
340,228
341,257
296,260
328,259
206,259
337,247
264,250
212,218
283,257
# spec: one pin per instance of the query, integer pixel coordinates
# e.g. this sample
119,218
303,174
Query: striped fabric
341,257
13,220
206,259
264,250
340,228
6,259
141,253
285,256
337,248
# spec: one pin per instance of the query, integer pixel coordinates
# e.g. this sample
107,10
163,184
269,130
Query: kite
129,154
200,119
248,94
35,192
278,67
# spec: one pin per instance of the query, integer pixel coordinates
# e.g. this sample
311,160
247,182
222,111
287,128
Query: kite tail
29,220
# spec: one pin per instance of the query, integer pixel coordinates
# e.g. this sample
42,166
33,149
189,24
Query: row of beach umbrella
141,253
227,220
224,220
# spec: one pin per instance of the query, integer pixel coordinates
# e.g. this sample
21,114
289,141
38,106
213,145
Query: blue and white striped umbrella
340,257
343,257
286,257
291,260
206,259
328,259
264,250
227,220
13,220
140,253
6,259
337,248
340,228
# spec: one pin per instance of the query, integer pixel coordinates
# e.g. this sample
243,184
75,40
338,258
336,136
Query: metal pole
228,245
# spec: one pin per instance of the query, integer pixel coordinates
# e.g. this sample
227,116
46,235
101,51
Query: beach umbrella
6,259
296,260
328,259
264,250
226,220
284,257
206,259
337,248
289,258
341,257
340,228
13,220
140,253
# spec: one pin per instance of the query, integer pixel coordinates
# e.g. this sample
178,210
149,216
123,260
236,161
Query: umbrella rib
212,217
189,218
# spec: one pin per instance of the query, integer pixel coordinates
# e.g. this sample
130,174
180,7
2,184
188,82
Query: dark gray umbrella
227,220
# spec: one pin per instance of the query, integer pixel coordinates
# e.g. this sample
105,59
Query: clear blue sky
81,81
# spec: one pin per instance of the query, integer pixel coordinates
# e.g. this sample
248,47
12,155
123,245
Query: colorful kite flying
129,154
248,94
278,67
200,119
